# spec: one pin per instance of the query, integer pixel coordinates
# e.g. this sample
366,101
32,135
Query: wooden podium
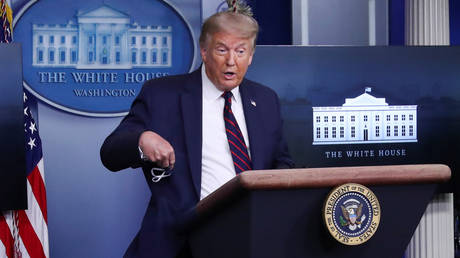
278,213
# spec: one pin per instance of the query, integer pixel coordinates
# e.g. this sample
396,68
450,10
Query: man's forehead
234,39
239,43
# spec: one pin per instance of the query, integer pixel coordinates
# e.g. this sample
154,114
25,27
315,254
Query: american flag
24,233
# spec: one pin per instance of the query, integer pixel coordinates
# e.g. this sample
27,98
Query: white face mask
159,173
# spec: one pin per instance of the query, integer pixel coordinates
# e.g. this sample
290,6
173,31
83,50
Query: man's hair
235,22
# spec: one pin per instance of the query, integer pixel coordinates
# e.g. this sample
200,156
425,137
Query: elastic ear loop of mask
159,173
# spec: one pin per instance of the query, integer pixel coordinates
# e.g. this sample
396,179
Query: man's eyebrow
243,44
221,44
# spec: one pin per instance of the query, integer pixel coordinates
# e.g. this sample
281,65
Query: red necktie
235,138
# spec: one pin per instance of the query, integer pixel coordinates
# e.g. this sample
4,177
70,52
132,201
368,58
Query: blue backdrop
95,213
91,211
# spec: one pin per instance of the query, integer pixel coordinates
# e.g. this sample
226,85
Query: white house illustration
103,38
364,119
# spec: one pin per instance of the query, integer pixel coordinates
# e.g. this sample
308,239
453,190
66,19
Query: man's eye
241,52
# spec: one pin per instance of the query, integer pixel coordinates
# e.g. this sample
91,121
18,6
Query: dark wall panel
275,21
13,193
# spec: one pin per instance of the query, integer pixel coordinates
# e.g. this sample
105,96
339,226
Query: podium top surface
326,177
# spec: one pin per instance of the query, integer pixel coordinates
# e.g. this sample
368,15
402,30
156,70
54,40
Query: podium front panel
288,224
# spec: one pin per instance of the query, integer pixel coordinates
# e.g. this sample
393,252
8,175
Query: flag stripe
37,220
3,251
38,189
29,237
6,237
41,169
22,250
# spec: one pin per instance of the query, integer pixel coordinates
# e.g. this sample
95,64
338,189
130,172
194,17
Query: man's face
226,57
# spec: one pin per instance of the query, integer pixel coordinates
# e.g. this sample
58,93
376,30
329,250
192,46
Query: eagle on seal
352,214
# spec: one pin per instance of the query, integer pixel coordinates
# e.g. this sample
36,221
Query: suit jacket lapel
253,124
191,102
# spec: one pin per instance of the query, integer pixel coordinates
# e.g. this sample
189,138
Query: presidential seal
351,213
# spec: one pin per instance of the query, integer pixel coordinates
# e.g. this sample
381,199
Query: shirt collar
211,92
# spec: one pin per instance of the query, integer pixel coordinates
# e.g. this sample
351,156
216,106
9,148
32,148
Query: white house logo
102,38
91,58
364,119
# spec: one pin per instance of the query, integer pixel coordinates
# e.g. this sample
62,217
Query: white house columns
427,24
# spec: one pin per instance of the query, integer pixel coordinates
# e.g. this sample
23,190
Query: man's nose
231,58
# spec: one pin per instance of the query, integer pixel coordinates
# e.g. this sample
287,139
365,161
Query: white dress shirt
216,163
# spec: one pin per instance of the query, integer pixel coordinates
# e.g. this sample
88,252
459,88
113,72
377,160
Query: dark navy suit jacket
172,107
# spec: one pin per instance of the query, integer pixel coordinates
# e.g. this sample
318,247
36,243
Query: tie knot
227,96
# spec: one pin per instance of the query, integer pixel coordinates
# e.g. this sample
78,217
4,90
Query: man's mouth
229,75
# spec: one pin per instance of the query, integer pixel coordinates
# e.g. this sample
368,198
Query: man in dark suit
176,123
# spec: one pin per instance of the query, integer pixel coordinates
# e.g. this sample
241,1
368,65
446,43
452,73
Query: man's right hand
157,149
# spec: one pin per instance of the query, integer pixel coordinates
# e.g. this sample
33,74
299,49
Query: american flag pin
253,103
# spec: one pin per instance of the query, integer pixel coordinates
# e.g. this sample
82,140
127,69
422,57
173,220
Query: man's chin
228,85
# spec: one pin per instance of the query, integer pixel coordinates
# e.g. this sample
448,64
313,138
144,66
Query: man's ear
250,58
203,52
